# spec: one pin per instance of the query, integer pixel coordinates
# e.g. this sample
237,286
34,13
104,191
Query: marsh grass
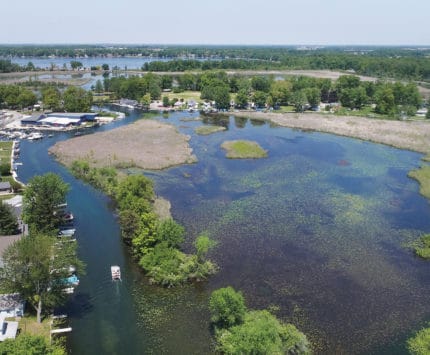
206,130
422,175
422,247
243,149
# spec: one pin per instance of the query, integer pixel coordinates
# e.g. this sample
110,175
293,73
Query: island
145,144
243,149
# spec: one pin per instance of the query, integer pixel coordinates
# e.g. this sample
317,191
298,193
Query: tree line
386,98
385,62
72,99
155,242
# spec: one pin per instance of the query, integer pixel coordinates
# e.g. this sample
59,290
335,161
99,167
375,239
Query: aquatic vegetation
422,247
243,149
420,343
422,175
206,130
242,331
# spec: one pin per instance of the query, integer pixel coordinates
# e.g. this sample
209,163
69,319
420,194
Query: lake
316,232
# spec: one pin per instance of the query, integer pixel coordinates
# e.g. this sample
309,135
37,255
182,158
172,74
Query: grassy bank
206,130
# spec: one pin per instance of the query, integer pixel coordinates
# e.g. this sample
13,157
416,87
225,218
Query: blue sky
373,22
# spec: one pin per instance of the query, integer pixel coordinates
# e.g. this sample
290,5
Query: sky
294,22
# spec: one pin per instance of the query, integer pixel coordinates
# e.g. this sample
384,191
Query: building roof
14,201
72,114
4,185
10,300
61,120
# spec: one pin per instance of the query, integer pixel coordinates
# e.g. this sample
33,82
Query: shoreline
409,135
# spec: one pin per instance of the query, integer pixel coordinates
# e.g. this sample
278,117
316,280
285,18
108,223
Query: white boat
35,136
116,272
67,232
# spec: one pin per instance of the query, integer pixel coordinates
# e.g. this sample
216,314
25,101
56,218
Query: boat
67,232
35,136
116,272
68,217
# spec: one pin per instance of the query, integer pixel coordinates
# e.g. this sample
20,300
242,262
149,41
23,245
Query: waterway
316,232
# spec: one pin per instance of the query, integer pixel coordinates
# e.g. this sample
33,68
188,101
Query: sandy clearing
145,144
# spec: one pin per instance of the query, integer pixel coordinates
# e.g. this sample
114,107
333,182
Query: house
5,187
11,305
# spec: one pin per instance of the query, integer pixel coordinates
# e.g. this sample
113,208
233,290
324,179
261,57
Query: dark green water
315,231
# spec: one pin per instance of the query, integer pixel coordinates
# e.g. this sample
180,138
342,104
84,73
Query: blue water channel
317,232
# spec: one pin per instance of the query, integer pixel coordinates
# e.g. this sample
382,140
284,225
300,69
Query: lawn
186,95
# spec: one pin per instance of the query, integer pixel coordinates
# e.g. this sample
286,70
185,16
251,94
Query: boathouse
59,119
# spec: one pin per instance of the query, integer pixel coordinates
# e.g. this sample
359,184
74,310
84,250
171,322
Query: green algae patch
206,130
243,149
422,175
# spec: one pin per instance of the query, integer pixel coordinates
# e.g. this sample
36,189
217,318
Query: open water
317,232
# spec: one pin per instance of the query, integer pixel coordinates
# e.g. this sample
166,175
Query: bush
262,333
420,343
227,307
5,169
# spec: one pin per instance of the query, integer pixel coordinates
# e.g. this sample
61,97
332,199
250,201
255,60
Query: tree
242,98
259,98
281,92
384,100
203,244
26,98
298,99
77,99
30,345
262,333
170,232
227,307
221,97
99,86
8,223
105,67
51,98
41,199
314,96
146,100
261,83
420,343
75,64
37,267
166,101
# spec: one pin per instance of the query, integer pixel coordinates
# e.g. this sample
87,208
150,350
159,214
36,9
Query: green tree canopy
36,266
420,343
40,202
227,307
262,333
51,98
8,222
77,99
170,232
